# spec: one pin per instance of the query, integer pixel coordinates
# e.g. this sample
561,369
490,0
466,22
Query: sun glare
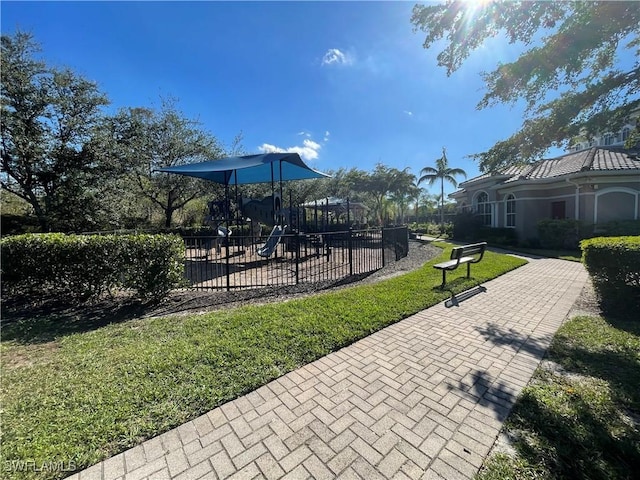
473,7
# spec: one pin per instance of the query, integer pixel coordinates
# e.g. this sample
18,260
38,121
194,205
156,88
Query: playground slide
272,242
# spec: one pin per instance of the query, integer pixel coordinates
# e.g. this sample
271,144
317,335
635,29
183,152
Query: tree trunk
442,207
41,213
168,217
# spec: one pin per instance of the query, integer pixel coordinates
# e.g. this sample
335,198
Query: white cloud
335,56
326,135
306,134
308,150
408,113
311,144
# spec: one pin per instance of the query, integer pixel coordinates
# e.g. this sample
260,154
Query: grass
581,420
83,397
571,255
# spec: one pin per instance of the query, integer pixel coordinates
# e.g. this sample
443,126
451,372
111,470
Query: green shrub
619,228
14,224
614,266
560,234
467,226
431,229
498,236
85,266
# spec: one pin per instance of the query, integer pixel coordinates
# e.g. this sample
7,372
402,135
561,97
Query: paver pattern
424,398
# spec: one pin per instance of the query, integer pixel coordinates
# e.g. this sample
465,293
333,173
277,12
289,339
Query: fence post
227,262
350,243
297,246
382,243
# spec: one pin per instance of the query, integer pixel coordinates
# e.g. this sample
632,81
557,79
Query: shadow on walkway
515,340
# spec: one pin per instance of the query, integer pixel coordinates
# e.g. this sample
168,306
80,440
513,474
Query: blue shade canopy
261,168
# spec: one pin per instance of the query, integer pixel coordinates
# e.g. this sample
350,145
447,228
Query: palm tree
442,172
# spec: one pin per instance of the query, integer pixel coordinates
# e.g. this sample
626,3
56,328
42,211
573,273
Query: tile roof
570,163
592,159
510,171
612,159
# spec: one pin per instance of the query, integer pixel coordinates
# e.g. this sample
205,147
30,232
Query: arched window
483,208
510,210
608,139
626,131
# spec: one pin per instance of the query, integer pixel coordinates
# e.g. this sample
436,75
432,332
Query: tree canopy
573,78
48,115
79,169
144,139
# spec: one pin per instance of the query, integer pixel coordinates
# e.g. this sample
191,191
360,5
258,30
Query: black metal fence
232,263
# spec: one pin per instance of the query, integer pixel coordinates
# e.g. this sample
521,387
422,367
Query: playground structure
296,258
308,243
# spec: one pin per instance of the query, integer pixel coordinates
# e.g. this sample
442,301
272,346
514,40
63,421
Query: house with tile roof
596,185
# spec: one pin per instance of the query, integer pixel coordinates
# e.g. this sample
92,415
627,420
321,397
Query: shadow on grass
458,284
50,319
621,369
31,323
587,443
623,316
583,419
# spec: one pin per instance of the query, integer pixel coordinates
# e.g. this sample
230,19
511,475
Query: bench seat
453,264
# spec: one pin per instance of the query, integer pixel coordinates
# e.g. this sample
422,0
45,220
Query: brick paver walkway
424,398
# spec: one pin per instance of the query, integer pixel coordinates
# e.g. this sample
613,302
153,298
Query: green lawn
582,420
83,397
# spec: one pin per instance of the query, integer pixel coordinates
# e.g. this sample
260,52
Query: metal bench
460,255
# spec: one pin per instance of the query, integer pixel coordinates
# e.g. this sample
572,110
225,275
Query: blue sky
344,84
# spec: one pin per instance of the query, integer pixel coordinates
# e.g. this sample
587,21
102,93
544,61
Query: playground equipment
223,233
264,211
272,242
333,250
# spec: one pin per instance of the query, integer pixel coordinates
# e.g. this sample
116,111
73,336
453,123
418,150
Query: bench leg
444,278
468,270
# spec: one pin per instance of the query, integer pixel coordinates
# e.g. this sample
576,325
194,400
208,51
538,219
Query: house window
510,210
483,208
626,131
608,139
558,210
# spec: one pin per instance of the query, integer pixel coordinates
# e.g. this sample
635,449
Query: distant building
594,185
608,139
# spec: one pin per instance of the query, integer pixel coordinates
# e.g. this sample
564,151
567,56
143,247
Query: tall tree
383,182
442,172
48,116
142,140
403,197
573,78
424,202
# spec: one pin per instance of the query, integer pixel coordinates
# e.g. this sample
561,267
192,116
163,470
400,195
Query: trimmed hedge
467,227
87,266
560,234
614,266
619,228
